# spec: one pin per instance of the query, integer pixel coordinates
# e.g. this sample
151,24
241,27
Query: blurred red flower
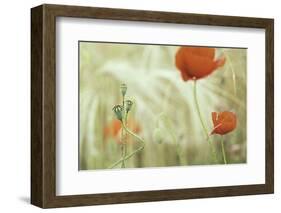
197,62
224,122
113,129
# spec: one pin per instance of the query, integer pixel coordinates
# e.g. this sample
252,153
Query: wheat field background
164,111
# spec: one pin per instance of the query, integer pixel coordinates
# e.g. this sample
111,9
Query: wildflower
224,122
123,89
197,62
118,110
128,105
113,129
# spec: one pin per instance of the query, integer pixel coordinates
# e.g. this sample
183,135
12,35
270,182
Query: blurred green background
164,111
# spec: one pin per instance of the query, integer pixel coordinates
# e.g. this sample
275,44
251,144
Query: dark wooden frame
43,105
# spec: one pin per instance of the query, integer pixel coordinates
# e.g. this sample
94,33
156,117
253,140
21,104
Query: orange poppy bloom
197,62
224,122
113,129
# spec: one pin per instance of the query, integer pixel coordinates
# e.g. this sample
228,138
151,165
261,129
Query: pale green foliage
156,89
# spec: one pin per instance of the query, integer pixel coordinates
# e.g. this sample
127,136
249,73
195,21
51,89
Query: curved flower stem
123,135
141,141
223,150
214,154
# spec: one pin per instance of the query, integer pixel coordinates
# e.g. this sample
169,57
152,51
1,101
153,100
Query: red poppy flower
197,62
224,122
113,129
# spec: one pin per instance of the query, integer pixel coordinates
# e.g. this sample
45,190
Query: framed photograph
136,106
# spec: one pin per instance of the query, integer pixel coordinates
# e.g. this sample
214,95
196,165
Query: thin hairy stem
123,136
223,151
214,155
140,140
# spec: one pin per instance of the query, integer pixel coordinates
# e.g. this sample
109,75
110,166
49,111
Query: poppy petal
202,51
199,66
184,76
224,122
197,62
180,64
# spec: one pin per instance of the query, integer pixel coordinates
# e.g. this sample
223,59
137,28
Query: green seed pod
118,110
157,135
123,89
128,105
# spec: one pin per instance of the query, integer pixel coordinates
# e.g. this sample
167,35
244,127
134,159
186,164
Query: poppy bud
224,122
123,89
118,110
128,105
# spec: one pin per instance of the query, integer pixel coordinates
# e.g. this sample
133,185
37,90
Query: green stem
223,151
123,136
141,141
125,144
214,155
